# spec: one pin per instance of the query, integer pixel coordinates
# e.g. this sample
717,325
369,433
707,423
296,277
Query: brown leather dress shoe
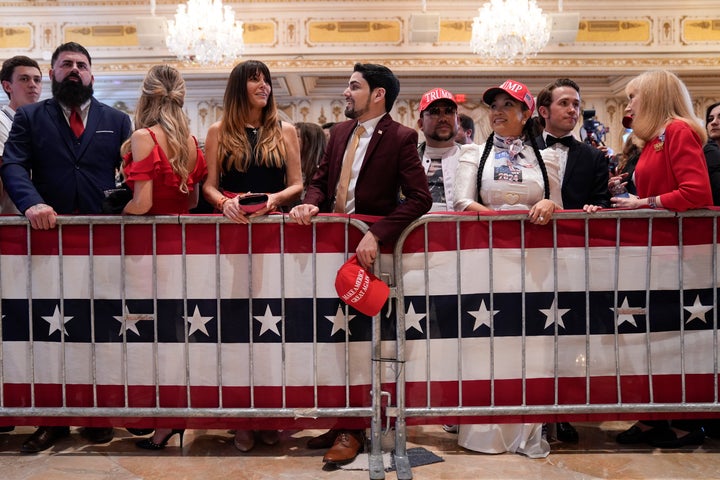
97,434
326,440
348,444
44,438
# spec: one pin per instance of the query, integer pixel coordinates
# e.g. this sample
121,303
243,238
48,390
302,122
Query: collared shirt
6,118
84,110
359,157
562,152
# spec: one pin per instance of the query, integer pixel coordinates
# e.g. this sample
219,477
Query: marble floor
210,455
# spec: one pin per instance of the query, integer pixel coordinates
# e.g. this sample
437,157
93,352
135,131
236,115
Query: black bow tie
567,141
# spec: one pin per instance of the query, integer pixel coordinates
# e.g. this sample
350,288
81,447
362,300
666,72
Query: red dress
167,197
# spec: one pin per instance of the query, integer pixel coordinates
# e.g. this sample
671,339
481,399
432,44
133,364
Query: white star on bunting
268,321
698,310
551,312
129,321
482,316
54,322
625,313
197,322
412,319
338,321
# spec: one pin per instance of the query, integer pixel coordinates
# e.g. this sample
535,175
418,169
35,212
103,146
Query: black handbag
116,199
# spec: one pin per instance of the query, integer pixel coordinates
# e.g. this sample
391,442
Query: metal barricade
610,315
184,321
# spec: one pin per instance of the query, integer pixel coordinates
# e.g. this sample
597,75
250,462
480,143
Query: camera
594,131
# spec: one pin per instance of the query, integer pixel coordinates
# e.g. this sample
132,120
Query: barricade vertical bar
523,316
556,315
616,338
681,307
156,340
91,291
491,320
124,315
648,343
61,320
283,299
218,311
401,461
313,261
715,307
586,234
426,281
29,296
458,279
251,336
186,327
2,339
346,310
375,461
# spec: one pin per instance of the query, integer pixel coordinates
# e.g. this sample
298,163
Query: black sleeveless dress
257,178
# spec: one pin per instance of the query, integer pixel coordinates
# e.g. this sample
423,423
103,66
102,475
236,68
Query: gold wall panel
614,31
386,31
259,33
455,31
706,30
16,37
101,35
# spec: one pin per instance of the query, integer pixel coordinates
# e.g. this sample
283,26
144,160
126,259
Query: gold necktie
344,182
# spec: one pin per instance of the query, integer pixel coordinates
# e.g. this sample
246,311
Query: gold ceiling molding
700,30
376,31
614,31
404,65
101,35
16,37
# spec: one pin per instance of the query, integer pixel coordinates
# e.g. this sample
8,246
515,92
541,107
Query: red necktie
76,123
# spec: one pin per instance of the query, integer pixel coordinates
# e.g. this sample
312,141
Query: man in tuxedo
583,169
60,156
62,153
370,163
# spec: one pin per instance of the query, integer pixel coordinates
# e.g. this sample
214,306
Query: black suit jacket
712,157
586,176
43,162
391,165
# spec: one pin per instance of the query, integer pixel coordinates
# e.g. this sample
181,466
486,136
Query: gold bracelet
219,204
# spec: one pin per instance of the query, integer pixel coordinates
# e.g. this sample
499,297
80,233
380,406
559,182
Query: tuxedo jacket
43,162
391,165
585,181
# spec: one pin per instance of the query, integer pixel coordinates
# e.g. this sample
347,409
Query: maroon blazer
391,165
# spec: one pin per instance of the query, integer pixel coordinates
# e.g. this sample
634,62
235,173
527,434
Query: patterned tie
344,182
76,123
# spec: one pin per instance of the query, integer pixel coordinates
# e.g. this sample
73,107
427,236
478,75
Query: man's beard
71,93
354,113
441,138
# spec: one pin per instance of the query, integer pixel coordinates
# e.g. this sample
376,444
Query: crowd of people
61,155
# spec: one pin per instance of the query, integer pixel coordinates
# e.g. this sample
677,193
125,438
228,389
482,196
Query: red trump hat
516,90
433,96
360,289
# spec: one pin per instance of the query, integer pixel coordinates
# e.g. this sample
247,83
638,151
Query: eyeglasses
435,112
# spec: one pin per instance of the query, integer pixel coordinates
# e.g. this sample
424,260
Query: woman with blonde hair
162,162
671,172
251,151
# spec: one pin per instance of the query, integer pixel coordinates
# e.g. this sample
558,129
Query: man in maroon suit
370,167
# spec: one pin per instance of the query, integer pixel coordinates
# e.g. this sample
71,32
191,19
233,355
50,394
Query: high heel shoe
148,444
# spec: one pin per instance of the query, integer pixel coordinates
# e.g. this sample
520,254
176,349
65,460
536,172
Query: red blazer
391,165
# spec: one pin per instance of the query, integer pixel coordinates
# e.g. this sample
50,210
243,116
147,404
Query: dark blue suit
586,176
43,162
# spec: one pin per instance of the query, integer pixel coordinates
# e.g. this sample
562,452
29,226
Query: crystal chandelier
509,30
205,32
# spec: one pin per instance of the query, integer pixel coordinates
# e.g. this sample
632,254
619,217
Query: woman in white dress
514,176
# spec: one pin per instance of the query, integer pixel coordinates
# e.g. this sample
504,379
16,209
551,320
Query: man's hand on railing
303,213
41,216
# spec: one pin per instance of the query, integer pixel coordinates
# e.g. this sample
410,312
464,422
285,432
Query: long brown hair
161,103
234,148
312,148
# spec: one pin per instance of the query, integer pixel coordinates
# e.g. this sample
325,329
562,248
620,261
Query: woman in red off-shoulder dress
163,164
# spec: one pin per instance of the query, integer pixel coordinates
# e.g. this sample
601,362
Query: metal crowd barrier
195,321
630,319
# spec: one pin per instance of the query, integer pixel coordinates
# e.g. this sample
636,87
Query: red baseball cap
360,289
433,96
515,89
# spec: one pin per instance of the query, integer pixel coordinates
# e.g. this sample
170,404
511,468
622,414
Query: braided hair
529,132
